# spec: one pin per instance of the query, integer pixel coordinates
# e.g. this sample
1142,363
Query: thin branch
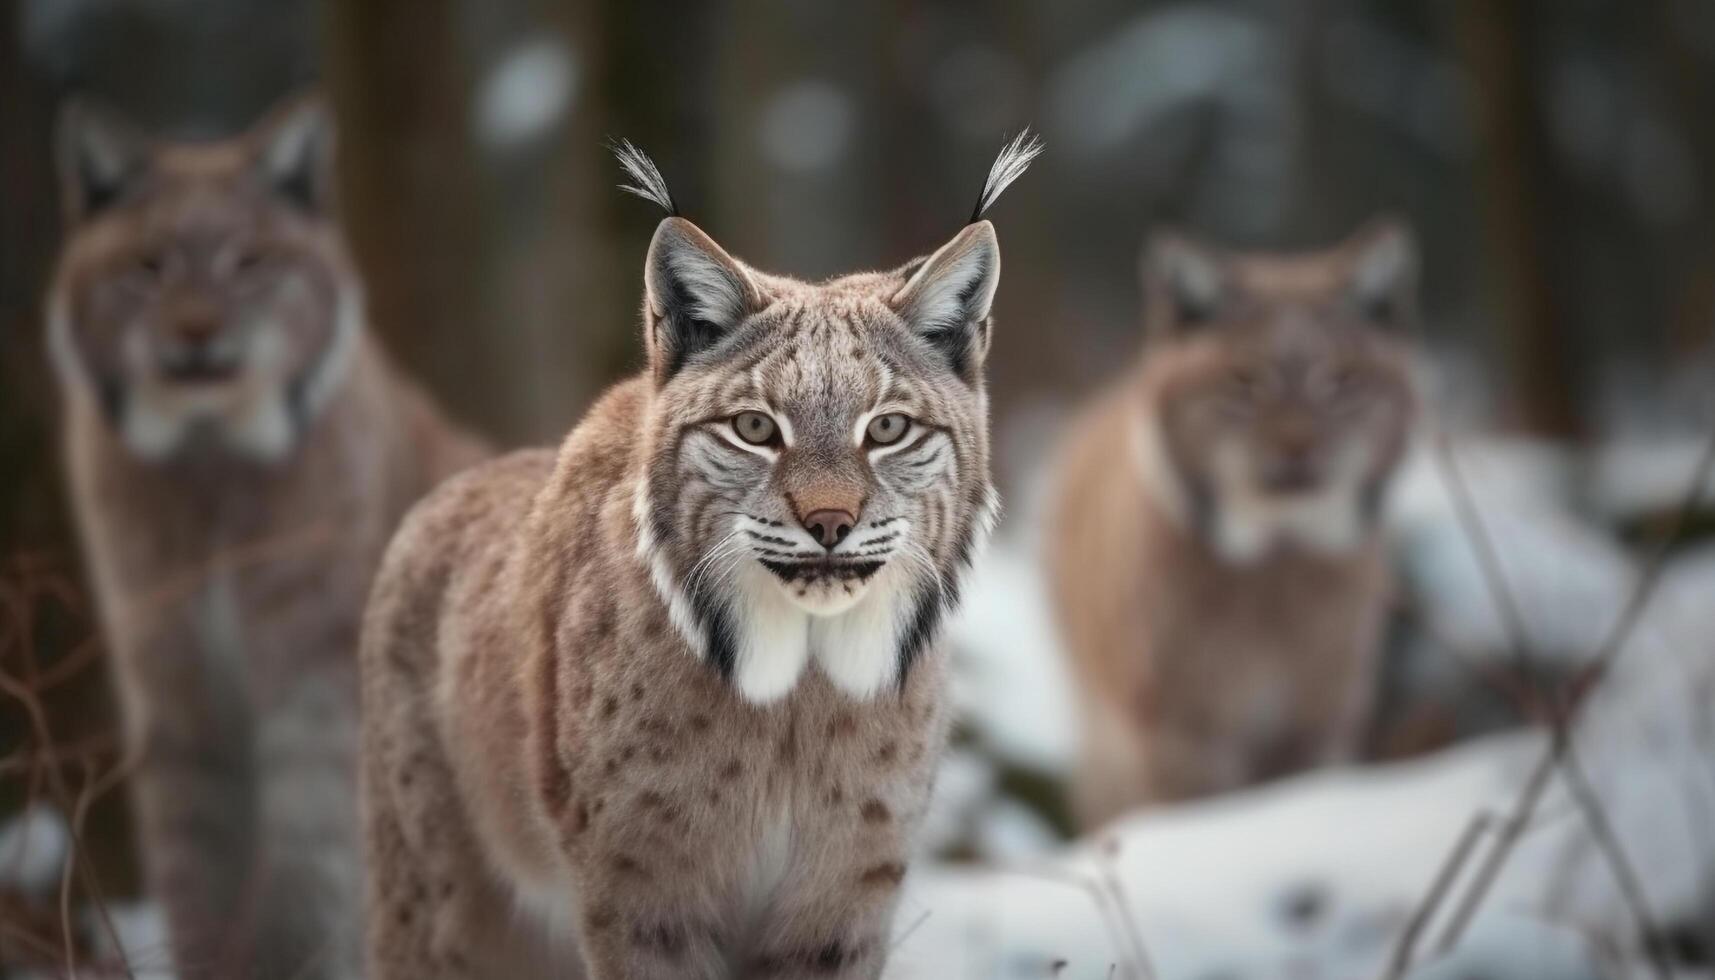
1451,867
1128,918
1112,918
1625,875
1565,719
1489,561
1523,811
1500,681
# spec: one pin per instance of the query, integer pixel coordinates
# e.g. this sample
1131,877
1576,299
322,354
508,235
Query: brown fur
229,572
1215,558
563,766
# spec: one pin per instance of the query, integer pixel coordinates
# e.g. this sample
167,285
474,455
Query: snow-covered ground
1315,877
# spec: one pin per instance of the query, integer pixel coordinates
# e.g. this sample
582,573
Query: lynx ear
1185,284
1383,276
694,294
294,153
947,300
100,156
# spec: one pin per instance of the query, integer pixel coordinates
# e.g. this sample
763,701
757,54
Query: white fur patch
859,649
853,640
1249,522
678,607
1155,471
773,636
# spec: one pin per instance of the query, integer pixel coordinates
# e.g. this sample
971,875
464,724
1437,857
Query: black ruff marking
932,606
920,631
111,394
720,639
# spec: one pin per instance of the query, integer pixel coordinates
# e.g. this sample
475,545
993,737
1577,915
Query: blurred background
1557,159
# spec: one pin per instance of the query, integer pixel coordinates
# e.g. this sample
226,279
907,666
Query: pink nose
830,527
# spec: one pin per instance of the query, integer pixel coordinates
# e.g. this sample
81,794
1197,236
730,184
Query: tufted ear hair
293,147
100,156
695,294
1185,283
1383,272
947,300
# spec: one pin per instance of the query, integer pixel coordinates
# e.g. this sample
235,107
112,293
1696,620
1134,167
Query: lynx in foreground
239,453
668,702
1216,563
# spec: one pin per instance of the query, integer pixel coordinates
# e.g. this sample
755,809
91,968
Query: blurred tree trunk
409,189
47,617
1688,85
1516,175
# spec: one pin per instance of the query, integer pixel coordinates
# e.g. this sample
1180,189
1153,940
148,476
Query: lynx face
1280,396
204,299
818,473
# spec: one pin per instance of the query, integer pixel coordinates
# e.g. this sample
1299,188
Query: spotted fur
1216,559
627,689
239,452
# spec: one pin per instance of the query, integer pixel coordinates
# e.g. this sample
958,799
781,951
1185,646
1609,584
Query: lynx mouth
823,570
199,370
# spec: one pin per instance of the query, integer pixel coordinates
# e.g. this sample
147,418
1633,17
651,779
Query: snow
1315,877
1010,681
33,846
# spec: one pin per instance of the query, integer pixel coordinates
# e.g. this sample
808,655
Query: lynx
1215,557
239,452
668,703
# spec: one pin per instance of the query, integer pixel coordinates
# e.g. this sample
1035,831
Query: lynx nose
830,527
196,329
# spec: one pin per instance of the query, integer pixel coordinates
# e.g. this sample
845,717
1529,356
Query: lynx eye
754,428
247,261
886,429
152,264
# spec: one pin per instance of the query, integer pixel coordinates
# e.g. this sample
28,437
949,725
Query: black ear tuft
1014,159
647,181
100,158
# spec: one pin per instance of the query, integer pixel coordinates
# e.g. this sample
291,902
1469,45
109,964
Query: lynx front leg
832,922
308,882
637,929
195,821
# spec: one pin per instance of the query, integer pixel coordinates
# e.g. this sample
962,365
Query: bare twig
1451,867
1122,902
1625,875
915,925
1500,681
1489,560
1112,919
1565,714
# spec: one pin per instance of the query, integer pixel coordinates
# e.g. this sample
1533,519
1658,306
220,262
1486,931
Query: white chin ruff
856,648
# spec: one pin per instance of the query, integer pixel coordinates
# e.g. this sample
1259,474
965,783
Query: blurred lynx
239,452
668,702
1215,557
